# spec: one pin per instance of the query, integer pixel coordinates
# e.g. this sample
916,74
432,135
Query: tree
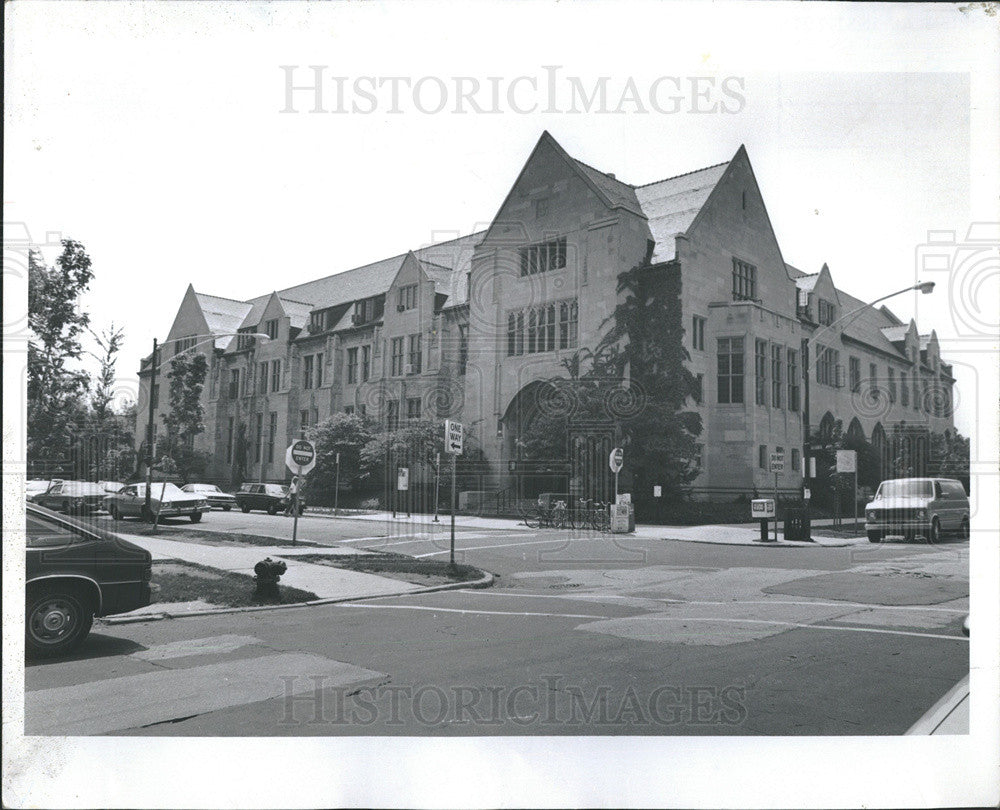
56,390
415,444
185,420
109,342
342,433
950,456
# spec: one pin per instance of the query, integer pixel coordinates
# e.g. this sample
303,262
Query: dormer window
407,298
271,328
827,312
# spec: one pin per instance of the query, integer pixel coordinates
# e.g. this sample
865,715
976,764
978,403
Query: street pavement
583,633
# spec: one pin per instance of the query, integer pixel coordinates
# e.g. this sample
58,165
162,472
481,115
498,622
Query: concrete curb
768,544
485,581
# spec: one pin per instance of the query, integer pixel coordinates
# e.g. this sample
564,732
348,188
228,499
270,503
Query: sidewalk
327,582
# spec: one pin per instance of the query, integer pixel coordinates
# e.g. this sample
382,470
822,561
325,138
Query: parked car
214,495
73,497
36,487
74,572
272,498
111,486
911,507
166,500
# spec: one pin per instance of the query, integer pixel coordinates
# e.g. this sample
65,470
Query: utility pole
149,429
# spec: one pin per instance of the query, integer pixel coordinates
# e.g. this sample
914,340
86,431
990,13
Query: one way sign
454,433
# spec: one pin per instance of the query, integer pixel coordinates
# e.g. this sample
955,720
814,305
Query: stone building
468,328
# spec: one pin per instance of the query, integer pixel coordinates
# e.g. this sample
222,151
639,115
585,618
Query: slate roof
807,282
617,193
671,205
895,333
222,315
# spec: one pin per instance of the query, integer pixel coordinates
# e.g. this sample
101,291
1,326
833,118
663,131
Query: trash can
797,525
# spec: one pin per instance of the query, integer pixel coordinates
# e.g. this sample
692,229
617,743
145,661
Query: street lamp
925,287
153,364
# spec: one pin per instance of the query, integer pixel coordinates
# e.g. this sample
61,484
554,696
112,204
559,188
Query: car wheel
935,535
963,532
226,508
56,620
874,537
245,509
66,507
196,517
272,509
115,514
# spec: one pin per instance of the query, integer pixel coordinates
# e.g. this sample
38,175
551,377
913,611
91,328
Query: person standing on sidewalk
293,493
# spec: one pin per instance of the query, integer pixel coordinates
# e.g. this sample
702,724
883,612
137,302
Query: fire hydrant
268,573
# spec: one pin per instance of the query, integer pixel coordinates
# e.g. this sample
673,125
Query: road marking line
799,624
497,545
473,612
132,701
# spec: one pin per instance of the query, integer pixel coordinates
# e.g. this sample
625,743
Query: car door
128,501
50,499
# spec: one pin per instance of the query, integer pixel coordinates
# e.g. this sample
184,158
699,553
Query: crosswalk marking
133,701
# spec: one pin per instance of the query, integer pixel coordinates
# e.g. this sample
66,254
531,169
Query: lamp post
154,365
925,287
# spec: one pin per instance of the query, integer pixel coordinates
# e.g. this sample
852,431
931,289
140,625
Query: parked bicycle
541,517
591,514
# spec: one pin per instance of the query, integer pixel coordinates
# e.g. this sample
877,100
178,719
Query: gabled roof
671,205
895,334
616,193
222,315
807,282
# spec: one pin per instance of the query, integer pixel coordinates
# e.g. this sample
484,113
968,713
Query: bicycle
555,517
587,516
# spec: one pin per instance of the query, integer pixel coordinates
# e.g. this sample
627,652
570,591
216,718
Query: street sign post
847,462
615,461
777,466
403,485
300,458
336,484
454,439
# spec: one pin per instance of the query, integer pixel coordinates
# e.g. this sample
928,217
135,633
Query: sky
154,134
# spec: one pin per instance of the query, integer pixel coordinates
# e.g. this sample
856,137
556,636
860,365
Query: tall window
744,281
392,414
234,383
854,372
793,380
272,434
762,456
796,461
413,409
760,371
904,390
366,362
275,375
549,327
416,355
245,339
543,257
262,378
258,430
271,328
730,370
407,297
826,312
463,347
916,393
699,389
397,356
872,380
307,371
698,332
352,365
777,381
826,365
230,427
184,344
319,369
304,420
892,384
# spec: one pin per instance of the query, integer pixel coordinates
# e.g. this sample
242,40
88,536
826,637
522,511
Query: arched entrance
554,448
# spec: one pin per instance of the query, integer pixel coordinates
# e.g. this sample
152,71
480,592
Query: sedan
73,497
34,488
214,495
74,572
166,500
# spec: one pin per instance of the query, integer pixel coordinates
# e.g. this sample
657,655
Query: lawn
177,581
398,566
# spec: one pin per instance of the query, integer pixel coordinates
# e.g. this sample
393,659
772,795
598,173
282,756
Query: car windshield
275,489
905,489
37,486
170,491
81,488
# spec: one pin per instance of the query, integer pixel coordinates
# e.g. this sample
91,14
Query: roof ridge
220,297
684,174
601,171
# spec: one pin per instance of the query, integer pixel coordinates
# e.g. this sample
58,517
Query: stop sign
300,457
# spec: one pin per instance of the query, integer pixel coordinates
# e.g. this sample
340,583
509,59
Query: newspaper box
622,518
762,508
